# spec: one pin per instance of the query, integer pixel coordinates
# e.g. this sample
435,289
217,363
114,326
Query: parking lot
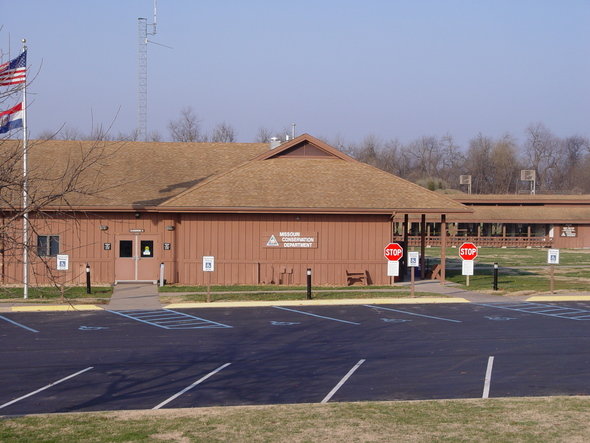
107,360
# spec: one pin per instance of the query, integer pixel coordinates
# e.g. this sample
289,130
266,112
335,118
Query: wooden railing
486,242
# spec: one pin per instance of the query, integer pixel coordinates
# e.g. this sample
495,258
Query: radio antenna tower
142,75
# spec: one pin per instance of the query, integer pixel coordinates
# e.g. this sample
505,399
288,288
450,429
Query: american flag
14,72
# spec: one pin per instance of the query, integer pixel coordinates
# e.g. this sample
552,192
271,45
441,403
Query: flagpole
25,194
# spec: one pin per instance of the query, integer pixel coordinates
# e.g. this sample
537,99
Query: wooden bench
354,276
435,273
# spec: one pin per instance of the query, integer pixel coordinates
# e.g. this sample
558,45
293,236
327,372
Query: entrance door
136,258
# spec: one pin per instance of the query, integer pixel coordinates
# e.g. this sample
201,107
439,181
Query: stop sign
393,252
468,251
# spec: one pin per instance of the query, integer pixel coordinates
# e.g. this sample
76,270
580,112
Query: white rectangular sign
393,269
63,262
208,263
413,259
467,267
553,256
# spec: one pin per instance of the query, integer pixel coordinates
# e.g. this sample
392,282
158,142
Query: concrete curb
559,298
54,308
360,301
342,302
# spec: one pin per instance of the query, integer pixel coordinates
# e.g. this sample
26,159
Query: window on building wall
47,245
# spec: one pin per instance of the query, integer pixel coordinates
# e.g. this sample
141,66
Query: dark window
48,245
126,248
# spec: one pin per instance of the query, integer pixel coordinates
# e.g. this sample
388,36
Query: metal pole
308,283
495,276
88,289
25,194
161,274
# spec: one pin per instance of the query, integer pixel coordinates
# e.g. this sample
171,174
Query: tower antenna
142,75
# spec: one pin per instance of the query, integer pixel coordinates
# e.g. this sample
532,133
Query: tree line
493,164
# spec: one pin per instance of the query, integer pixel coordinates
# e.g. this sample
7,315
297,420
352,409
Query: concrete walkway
129,296
451,290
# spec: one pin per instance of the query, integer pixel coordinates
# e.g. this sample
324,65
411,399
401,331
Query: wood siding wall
84,242
238,244
237,241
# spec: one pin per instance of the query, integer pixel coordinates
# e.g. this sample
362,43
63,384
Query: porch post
443,247
422,246
404,261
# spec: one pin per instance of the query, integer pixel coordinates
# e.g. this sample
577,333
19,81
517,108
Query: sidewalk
129,296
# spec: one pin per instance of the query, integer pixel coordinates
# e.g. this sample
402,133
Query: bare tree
542,150
263,135
426,152
187,128
224,132
504,165
369,150
452,161
51,186
477,164
571,171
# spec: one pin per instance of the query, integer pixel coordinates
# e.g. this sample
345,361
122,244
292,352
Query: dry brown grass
555,419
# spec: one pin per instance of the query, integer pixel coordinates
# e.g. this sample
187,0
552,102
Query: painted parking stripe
488,379
188,388
168,319
344,379
412,313
50,385
18,324
318,316
542,309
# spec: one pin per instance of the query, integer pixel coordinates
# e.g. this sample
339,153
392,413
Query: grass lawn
552,419
50,294
511,257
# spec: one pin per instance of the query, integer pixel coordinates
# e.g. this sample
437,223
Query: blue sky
394,69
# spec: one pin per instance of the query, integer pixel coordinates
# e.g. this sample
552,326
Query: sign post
208,267
414,261
468,252
552,259
393,253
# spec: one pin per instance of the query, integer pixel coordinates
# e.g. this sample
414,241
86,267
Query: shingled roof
307,175
303,175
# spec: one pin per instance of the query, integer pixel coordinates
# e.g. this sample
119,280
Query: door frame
135,272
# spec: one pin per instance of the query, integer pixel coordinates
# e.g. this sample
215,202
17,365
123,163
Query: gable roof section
305,146
135,174
306,175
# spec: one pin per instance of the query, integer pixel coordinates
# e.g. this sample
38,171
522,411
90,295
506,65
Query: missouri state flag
14,72
11,119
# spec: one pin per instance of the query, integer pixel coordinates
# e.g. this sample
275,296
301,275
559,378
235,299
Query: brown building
266,216
556,221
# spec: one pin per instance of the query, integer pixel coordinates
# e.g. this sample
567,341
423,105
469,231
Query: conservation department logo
272,241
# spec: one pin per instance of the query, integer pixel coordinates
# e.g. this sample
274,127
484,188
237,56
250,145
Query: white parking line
488,380
339,385
46,387
165,402
412,313
318,316
17,324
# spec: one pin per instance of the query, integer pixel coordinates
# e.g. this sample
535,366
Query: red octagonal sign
393,252
468,251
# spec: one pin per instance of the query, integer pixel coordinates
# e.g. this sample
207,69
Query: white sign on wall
208,263
63,262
